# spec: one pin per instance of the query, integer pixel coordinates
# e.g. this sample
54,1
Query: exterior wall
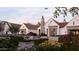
6,29
63,31
23,27
27,30
46,28
34,31
51,23
38,30
58,31
74,22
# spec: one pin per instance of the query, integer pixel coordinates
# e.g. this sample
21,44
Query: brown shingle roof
15,25
61,24
31,26
11,25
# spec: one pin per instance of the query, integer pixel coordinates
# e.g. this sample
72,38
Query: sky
26,14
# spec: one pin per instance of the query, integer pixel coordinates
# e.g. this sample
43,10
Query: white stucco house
6,26
73,26
27,28
53,27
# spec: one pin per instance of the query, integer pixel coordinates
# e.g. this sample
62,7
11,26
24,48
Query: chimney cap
64,20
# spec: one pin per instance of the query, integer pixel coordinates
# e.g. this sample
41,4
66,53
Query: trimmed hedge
69,42
10,44
45,46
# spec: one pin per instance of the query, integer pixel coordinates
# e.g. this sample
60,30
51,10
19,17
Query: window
23,31
53,31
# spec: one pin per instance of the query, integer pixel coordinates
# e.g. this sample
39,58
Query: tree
64,11
74,11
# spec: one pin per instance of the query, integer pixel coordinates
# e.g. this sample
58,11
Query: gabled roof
61,24
11,25
31,26
15,25
2,23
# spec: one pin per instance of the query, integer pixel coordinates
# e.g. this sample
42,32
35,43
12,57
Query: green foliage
7,45
64,11
11,44
46,46
69,43
74,11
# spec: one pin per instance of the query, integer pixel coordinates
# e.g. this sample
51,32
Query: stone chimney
64,20
42,25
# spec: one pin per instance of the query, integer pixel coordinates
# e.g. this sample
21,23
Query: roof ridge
61,24
31,26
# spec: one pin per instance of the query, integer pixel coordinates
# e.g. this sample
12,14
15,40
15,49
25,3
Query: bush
69,42
10,44
56,46
46,46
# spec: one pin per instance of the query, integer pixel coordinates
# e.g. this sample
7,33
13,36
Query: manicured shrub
46,46
69,42
10,44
